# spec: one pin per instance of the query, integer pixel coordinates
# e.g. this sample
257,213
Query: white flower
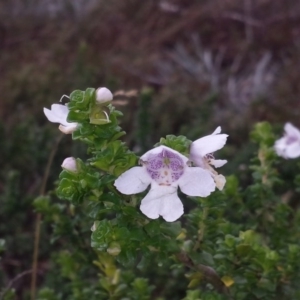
165,169
59,114
103,95
289,145
69,164
201,154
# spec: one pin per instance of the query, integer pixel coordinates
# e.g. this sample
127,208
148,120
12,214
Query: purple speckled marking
165,167
291,139
209,156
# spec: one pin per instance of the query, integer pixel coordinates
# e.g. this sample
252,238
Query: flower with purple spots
165,170
289,145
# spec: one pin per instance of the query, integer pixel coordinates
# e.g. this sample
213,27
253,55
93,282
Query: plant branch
37,232
10,284
201,229
209,274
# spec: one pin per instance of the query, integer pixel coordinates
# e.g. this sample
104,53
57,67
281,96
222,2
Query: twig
209,274
239,17
10,284
248,28
38,221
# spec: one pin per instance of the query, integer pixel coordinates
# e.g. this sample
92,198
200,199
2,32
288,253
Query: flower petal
291,130
158,150
68,129
103,95
196,182
162,201
133,181
61,111
51,116
286,148
217,163
293,150
217,130
70,164
208,144
57,114
220,181
280,146
172,208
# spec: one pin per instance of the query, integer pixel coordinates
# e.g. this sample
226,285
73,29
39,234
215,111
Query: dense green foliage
210,63
241,243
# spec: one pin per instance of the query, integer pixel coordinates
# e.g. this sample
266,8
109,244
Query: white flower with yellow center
165,170
289,145
59,114
201,155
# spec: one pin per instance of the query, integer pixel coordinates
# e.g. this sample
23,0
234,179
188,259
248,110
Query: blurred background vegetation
197,64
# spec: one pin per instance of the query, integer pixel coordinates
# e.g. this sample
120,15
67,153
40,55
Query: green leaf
102,235
178,143
42,203
171,229
230,240
77,116
243,249
152,228
77,96
263,134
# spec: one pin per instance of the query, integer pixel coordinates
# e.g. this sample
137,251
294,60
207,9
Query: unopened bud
69,164
103,95
94,227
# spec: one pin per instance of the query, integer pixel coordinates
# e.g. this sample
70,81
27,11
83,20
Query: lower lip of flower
165,167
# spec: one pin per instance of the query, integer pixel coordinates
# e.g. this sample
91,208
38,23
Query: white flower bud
103,95
94,227
69,164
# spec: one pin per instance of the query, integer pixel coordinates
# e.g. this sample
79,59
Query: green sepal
98,115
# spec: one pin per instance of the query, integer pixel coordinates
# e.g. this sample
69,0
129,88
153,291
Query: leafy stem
201,229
